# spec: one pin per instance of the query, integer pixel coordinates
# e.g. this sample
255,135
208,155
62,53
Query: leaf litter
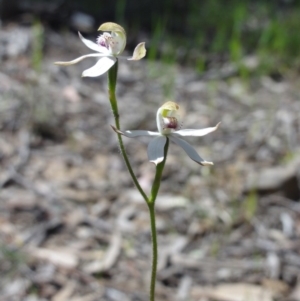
73,228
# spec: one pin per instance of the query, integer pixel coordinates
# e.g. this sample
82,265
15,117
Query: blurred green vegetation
37,45
11,259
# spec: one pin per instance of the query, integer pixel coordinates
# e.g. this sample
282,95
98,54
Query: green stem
151,206
112,82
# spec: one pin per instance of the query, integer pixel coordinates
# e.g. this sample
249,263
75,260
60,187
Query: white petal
139,52
198,133
93,45
191,152
78,59
138,133
100,67
133,134
156,149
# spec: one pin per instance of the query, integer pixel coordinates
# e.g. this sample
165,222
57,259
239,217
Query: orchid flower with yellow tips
108,47
168,125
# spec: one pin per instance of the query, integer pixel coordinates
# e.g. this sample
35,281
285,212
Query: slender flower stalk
151,208
112,82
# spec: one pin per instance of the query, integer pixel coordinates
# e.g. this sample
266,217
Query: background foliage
205,33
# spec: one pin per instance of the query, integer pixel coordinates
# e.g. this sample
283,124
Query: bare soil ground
73,227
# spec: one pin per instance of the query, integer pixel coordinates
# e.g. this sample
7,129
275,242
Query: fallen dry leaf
62,258
234,292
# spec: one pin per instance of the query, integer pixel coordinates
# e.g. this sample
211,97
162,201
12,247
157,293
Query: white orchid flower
108,47
168,125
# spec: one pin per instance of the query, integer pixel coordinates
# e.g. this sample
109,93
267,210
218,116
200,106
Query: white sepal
93,45
79,59
190,151
156,149
100,67
195,133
